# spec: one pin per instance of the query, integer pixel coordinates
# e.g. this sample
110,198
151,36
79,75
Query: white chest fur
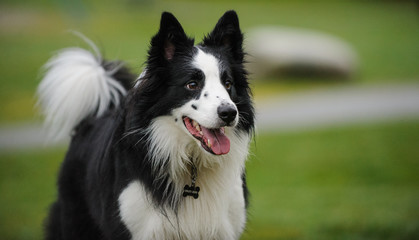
220,216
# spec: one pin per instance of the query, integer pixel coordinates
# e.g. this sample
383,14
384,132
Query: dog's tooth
196,125
209,143
200,132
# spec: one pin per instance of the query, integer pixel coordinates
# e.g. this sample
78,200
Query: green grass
345,183
27,187
358,182
384,33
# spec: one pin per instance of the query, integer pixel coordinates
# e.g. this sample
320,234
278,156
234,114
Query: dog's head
202,89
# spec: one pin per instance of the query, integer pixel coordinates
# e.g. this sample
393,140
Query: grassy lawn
345,183
384,33
27,187
357,182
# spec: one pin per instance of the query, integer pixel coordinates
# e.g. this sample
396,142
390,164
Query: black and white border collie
158,157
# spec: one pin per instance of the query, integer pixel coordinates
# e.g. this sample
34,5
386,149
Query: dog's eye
192,85
228,84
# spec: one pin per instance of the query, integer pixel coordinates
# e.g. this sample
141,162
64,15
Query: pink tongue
220,144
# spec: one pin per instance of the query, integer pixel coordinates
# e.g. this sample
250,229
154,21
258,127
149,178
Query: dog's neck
192,190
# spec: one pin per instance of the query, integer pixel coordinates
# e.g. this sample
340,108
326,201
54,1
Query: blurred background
336,86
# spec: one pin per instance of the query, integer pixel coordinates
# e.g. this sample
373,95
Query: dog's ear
170,39
227,34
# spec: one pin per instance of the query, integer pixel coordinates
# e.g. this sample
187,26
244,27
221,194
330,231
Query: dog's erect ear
170,39
227,33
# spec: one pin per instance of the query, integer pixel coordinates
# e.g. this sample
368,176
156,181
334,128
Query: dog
161,156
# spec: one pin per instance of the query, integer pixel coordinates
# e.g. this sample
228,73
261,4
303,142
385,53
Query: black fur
109,152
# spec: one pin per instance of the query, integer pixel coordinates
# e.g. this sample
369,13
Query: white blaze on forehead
207,63
210,66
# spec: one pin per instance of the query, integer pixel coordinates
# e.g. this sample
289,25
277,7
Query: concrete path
291,112
338,106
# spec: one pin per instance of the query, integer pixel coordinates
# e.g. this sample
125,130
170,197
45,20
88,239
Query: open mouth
212,140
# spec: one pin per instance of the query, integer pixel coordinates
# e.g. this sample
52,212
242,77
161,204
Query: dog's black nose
227,113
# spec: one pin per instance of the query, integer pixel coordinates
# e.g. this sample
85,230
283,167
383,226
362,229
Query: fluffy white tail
75,86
